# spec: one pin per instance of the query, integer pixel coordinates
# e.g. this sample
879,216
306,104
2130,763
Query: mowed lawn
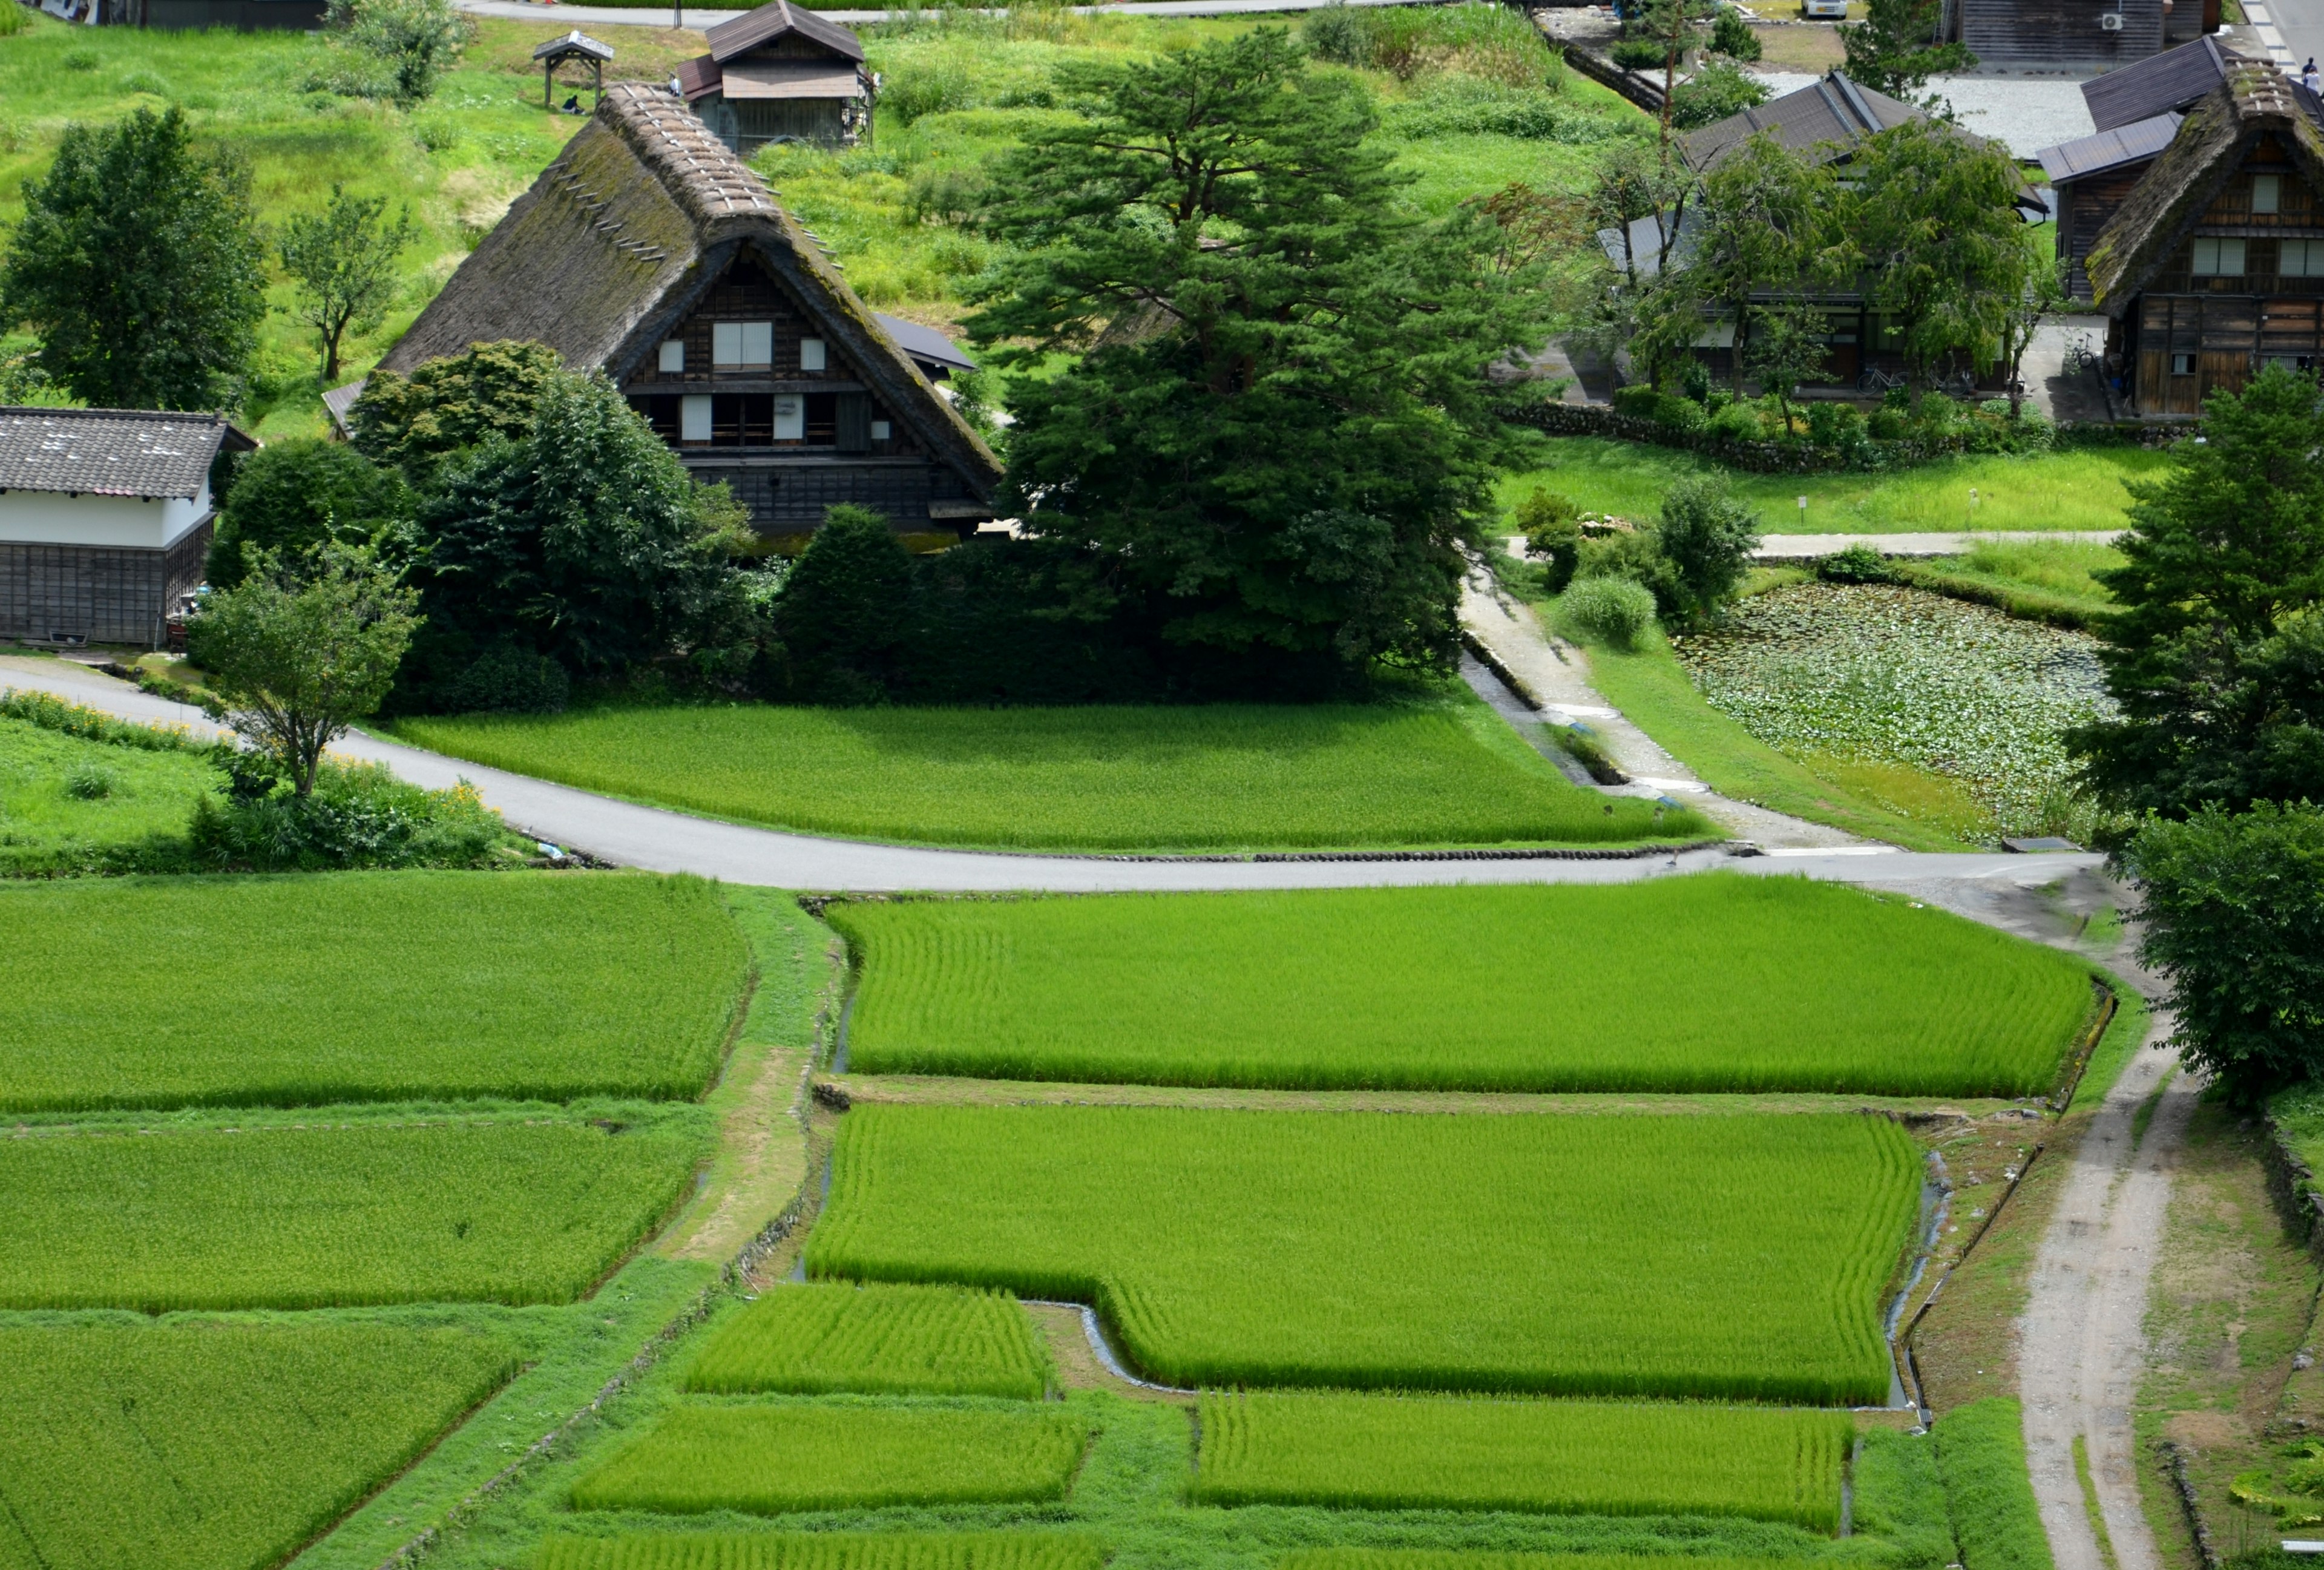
215,1446
362,986
768,1459
1733,1256
1719,982
272,1217
1370,1452
2080,489
1218,777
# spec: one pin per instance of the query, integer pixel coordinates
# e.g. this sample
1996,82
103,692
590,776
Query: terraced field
815,1338
1788,985
1560,1254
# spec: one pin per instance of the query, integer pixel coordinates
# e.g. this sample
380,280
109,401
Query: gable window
810,353
694,419
2267,193
2218,258
673,356
742,346
2182,364
790,417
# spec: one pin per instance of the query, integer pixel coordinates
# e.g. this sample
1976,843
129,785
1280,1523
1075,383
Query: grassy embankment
960,90
1440,770
1822,988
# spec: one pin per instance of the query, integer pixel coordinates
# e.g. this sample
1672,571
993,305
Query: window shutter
854,411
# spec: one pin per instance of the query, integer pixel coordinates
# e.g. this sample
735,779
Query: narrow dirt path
2083,1340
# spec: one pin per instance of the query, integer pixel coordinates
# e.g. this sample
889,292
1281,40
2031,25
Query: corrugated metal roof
2135,142
698,78
111,452
2157,84
771,21
925,342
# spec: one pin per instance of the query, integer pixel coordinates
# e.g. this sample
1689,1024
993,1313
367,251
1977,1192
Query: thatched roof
2212,142
620,237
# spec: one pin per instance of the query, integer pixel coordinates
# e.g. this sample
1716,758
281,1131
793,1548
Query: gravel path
2083,1343
630,835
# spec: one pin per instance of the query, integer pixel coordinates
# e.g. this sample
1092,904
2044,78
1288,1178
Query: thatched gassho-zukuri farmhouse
652,253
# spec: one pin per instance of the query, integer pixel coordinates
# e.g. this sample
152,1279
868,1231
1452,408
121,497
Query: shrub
294,494
357,815
1732,36
1715,91
1707,537
508,679
1613,611
841,618
89,782
1552,533
1639,54
926,87
1337,33
1835,425
1736,422
1857,564
393,48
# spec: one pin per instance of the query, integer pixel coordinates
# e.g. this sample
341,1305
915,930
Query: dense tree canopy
1279,425
301,493
1894,50
2217,657
137,264
448,405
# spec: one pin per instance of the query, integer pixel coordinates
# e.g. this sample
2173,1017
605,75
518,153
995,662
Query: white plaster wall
53,518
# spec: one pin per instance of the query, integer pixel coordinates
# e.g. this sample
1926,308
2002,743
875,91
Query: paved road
660,16
2084,1347
630,835
1798,546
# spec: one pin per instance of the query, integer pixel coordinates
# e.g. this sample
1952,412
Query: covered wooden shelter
578,46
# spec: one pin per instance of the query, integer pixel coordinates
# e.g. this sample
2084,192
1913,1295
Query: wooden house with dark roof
104,520
2173,80
780,73
2074,35
648,252
2214,266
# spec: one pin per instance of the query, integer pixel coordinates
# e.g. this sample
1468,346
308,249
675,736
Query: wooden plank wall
2046,34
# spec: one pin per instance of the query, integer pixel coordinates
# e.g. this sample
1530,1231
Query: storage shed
781,74
104,520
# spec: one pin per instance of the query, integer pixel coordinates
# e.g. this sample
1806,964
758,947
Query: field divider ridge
1094,1329
1911,1361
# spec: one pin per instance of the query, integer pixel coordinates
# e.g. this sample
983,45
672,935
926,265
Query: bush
1835,425
393,48
1337,33
841,617
1715,91
1613,611
1736,422
1639,54
294,494
1857,564
1643,402
1732,36
929,88
1552,533
89,782
2234,912
1707,537
357,815
508,679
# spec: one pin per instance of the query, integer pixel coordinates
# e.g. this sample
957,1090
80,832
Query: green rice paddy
362,986
1580,1457
1199,776
277,1217
770,1459
1789,985
827,1551
817,1337
1569,1255
218,1446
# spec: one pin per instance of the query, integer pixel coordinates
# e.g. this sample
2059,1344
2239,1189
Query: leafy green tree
138,265
586,543
298,651
1706,538
447,406
1932,219
1763,218
1277,426
1732,36
1676,28
2042,294
843,616
343,260
294,495
1631,183
2217,657
1892,50
1786,348
1551,527
398,48
1718,88
2233,908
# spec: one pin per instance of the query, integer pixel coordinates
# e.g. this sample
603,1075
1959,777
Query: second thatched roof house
651,253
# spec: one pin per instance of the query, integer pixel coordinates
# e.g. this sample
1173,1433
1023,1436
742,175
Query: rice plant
1196,777
219,1446
1734,1256
1022,1550
1492,1559
818,1337
769,1459
304,1217
361,986
1372,1451
1719,982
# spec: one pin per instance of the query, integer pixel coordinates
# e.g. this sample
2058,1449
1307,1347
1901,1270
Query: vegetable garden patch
1736,1256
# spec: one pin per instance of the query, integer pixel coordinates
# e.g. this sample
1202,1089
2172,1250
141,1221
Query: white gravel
2026,113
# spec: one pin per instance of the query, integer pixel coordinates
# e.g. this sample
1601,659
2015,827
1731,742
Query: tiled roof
2133,144
1831,115
770,21
2158,83
110,452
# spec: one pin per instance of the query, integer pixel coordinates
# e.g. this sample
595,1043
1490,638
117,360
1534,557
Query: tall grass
270,1215
818,1337
1194,778
1021,1550
1502,1560
69,804
360,986
1789,985
196,1446
1719,1256
1577,1457
1981,1455
768,1460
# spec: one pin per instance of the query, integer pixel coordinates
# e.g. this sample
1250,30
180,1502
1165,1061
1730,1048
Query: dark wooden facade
98,594
2060,35
2084,205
